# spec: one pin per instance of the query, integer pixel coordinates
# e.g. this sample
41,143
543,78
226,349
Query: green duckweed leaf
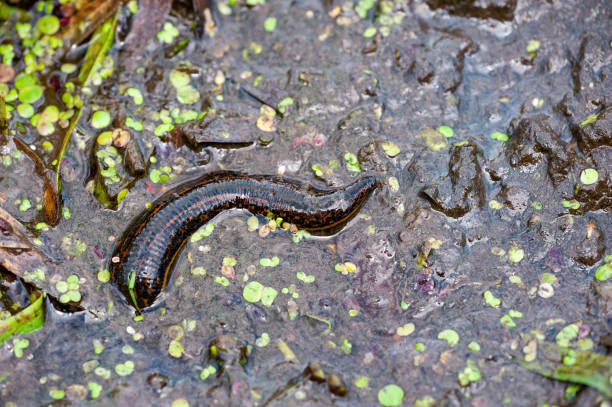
450,336
270,24
515,254
204,231
48,24
589,176
94,389
391,395
496,135
253,291
100,119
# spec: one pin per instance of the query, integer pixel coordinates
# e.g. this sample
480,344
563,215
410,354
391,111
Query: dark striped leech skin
145,255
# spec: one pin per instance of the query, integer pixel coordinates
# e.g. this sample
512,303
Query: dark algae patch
479,273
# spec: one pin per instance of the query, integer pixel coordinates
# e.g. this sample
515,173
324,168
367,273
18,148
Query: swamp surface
479,266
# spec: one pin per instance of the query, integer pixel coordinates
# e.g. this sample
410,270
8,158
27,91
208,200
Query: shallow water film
478,273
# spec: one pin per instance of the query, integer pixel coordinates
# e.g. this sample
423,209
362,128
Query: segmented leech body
147,251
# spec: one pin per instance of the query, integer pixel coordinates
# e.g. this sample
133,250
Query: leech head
358,193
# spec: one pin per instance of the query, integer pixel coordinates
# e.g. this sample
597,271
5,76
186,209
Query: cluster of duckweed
391,149
7,159
168,33
202,232
388,15
507,319
109,157
177,332
37,275
207,372
292,291
175,348
101,72
38,44
19,345
345,268
69,289
352,163
284,104
267,121
470,374
175,116
185,92
227,266
325,171
71,99
306,278
437,138
24,204
161,175
45,121
269,262
254,291
72,245
491,299
134,124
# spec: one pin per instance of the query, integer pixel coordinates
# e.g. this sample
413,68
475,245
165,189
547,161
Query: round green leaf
589,176
25,110
187,95
57,394
68,68
100,119
48,24
450,336
369,32
405,330
61,286
124,369
390,148
496,135
45,128
30,94
135,94
103,276
515,254
270,24
494,204
74,295
391,395
179,79
446,131
105,138
604,272
434,139
253,291
50,114
24,79
268,294
175,349
532,46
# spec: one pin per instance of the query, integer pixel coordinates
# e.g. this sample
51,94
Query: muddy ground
489,126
